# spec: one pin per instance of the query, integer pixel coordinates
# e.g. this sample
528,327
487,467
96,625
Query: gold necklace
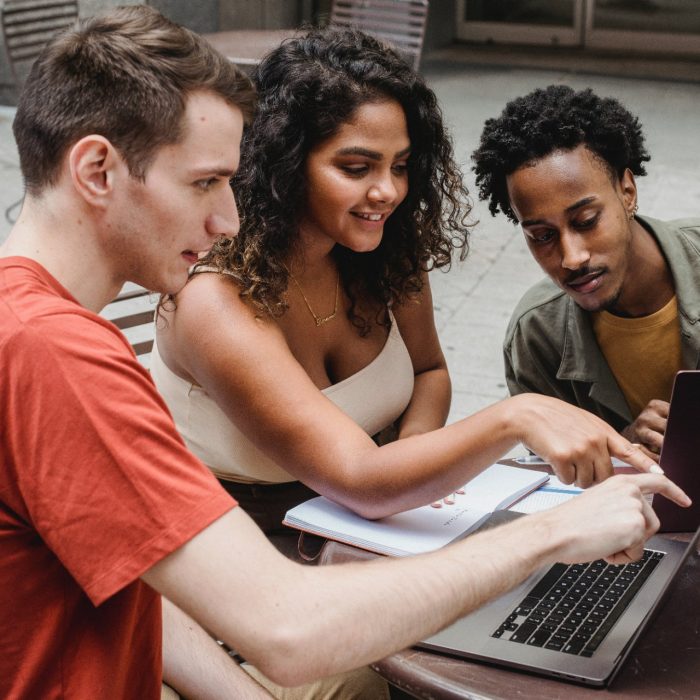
319,321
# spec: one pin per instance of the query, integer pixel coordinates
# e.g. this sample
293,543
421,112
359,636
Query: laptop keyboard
573,607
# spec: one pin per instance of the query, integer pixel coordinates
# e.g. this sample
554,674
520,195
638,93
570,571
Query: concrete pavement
474,300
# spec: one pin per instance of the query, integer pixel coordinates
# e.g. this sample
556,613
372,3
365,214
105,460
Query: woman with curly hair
312,331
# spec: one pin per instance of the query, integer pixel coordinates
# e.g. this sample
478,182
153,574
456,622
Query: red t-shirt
96,486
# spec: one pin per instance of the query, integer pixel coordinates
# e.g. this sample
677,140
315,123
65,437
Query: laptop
680,454
580,622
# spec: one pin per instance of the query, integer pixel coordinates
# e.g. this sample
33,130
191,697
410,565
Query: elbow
363,495
366,504
284,657
363,486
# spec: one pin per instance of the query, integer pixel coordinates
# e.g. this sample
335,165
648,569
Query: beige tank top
231,455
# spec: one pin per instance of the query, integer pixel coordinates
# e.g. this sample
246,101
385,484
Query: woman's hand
577,444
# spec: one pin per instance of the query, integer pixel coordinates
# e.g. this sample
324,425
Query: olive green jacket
550,347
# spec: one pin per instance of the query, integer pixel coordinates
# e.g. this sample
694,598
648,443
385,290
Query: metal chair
132,311
399,22
27,26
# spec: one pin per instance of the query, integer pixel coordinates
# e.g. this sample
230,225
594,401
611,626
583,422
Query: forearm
429,405
196,666
298,623
417,470
334,607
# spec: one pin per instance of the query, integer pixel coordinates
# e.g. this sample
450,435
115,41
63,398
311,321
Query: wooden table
664,664
246,47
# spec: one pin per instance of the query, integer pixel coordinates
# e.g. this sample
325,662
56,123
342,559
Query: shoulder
209,289
67,333
209,324
688,228
210,299
544,304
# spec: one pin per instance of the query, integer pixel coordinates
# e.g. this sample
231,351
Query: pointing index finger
630,453
655,483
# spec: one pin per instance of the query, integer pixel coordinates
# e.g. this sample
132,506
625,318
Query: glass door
670,26
558,22
645,25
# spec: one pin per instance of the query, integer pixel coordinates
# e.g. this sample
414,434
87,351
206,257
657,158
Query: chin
176,286
366,246
167,284
593,305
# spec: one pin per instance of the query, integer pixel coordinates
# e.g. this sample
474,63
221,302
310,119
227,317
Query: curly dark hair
550,119
308,88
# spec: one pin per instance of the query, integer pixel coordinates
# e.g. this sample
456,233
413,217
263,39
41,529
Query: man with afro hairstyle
618,315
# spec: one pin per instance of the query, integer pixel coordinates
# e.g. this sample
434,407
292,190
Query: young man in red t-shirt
128,133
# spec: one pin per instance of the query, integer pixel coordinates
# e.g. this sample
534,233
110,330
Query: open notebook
420,529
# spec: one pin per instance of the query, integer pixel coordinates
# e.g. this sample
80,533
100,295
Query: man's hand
611,521
649,427
576,443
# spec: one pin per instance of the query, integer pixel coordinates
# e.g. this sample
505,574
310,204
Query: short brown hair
126,76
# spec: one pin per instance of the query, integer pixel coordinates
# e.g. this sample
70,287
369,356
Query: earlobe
93,162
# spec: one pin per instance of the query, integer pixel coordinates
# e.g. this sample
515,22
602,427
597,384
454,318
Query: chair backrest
132,312
27,26
398,22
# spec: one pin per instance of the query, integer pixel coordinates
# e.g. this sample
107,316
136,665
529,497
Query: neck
64,242
312,256
649,284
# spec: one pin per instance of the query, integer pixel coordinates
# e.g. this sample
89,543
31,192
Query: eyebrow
220,172
576,205
367,153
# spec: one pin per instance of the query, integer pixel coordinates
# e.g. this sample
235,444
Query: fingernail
655,468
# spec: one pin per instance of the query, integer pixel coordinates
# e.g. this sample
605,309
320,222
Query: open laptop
580,622
680,454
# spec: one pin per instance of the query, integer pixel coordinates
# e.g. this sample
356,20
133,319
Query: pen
531,459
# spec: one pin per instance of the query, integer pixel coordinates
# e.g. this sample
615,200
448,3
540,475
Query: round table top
248,46
665,662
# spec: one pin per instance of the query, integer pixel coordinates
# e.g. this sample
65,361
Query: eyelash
546,237
358,171
354,169
543,238
588,223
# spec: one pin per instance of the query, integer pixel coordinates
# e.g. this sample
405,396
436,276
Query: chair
132,311
399,22
27,25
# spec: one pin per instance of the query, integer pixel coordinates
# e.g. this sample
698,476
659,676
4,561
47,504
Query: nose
224,221
383,190
574,254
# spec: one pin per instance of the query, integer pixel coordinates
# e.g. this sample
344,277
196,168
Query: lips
374,217
585,283
190,256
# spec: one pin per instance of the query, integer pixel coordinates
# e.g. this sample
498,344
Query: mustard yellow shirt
643,353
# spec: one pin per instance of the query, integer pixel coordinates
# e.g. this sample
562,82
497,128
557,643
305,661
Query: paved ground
474,300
